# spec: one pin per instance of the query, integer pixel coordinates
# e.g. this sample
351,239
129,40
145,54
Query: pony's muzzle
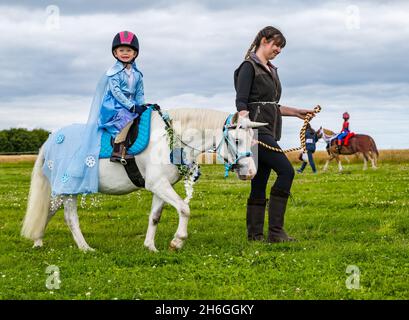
245,172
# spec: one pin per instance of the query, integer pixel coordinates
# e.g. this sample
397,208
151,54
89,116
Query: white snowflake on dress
90,161
50,164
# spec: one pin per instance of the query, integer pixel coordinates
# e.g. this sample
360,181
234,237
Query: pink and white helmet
125,38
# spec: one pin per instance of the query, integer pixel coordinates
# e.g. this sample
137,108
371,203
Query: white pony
196,129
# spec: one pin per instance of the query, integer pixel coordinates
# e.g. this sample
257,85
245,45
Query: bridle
231,147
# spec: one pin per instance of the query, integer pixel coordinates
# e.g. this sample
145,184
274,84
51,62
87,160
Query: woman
258,92
311,139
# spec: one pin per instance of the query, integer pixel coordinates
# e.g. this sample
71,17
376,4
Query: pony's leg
71,218
331,156
154,217
165,191
339,164
51,213
373,160
326,165
365,160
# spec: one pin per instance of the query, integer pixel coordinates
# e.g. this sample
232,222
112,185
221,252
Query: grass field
356,218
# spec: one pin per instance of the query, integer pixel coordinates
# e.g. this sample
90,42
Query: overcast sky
344,55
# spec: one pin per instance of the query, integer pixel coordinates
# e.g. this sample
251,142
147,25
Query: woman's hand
295,112
302,113
243,113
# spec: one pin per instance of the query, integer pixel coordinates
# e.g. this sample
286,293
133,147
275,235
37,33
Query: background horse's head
239,138
326,134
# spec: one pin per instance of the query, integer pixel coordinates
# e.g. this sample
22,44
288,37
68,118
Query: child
311,139
124,98
344,131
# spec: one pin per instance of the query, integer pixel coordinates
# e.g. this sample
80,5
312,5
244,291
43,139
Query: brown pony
359,143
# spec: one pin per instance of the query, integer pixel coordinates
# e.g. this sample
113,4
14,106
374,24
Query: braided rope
307,119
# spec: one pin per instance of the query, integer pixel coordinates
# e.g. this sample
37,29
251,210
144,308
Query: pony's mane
201,119
328,132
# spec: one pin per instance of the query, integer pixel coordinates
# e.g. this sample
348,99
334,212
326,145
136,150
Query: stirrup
123,155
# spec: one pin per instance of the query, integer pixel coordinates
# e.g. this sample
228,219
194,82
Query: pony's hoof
87,249
38,243
176,244
151,248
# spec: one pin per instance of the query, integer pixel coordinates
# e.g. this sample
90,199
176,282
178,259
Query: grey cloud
74,7
191,50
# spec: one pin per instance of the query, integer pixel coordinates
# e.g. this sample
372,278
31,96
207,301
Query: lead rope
307,119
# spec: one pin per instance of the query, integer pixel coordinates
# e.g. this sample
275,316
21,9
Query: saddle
346,139
137,139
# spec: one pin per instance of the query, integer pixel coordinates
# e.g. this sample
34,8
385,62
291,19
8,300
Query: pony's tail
374,147
38,202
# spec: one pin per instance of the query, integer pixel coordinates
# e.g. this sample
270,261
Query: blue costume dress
72,153
124,90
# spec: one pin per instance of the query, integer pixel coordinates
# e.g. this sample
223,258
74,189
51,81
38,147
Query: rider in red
344,132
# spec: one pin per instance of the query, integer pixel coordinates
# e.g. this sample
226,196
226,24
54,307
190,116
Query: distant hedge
22,140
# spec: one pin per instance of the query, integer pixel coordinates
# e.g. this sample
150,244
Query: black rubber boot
276,210
256,210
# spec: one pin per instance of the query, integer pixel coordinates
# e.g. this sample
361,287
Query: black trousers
266,160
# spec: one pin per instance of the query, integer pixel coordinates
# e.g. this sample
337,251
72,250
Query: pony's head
326,134
319,133
239,138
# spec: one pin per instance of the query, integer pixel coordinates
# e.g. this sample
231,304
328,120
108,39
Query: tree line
22,140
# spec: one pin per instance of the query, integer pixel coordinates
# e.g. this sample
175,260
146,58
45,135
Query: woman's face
271,50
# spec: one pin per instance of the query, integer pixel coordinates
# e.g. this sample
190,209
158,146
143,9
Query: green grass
356,218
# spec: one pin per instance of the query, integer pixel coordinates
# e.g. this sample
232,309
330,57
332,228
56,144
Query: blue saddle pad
140,143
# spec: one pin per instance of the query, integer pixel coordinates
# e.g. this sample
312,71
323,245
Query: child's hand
138,109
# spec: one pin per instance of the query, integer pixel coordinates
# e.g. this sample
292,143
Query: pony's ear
235,118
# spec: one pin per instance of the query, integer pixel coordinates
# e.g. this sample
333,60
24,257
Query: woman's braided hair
270,33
